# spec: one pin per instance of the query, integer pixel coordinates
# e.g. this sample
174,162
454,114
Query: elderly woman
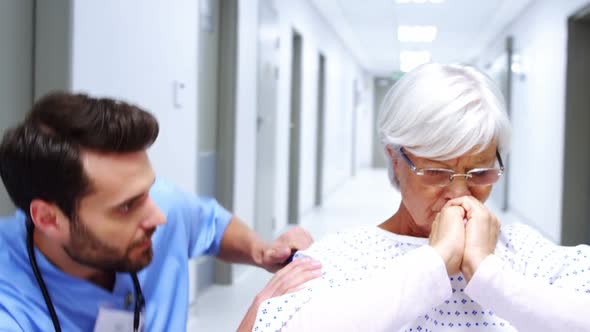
441,261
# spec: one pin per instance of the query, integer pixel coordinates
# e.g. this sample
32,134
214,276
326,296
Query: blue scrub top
194,227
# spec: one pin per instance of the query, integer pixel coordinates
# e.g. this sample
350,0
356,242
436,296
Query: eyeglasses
442,177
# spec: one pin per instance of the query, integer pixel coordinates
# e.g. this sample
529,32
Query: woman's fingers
291,276
288,279
481,233
447,236
296,281
475,210
469,203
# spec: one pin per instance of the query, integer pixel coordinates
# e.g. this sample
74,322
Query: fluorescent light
416,33
409,60
420,1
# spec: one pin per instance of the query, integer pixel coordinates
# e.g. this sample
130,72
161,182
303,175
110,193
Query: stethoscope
139,300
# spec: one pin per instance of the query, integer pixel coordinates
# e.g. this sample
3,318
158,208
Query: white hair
442,112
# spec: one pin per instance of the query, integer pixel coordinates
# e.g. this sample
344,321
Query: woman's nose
458,187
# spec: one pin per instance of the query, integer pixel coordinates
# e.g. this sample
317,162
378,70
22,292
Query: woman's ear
392,165
393,156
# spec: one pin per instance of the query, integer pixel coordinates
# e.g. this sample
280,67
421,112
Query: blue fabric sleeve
201,221
208,227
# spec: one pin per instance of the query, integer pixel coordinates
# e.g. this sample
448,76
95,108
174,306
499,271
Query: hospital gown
374,280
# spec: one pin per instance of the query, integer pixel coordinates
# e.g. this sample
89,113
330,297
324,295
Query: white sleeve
528,304
412,285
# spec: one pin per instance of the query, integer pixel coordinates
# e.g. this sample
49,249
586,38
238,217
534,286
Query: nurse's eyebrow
136,197
132,199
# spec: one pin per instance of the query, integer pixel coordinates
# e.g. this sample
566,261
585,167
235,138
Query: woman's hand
447,237
289,279
481,233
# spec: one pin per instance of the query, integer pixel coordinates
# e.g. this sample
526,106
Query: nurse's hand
289,279
276,255
481,233
447,237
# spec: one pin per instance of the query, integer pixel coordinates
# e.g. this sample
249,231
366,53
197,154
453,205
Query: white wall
133,50
136,50
538,112
341,70
381,85
365,123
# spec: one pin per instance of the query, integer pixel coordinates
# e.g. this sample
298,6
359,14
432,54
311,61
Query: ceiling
369,28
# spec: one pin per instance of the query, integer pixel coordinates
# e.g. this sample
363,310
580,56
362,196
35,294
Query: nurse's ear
49,220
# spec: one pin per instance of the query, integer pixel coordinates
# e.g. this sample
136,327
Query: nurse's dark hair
41,157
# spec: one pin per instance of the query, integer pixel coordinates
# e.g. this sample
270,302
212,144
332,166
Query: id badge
116,320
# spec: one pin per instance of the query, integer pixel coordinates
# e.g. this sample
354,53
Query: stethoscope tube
139,301
40,281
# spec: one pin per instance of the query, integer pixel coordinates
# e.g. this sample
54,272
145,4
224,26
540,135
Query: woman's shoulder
359,250
522,236
350,239
526,250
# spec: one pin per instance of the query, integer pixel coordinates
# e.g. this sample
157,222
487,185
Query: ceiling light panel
417,33
420,1
409,60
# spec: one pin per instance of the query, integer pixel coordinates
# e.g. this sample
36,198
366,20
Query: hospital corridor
282,121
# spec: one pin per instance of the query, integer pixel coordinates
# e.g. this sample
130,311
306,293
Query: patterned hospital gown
350,256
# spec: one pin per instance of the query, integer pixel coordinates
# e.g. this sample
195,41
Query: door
295,128
500,71
268,71
16,70
353,131
576,179
319,189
